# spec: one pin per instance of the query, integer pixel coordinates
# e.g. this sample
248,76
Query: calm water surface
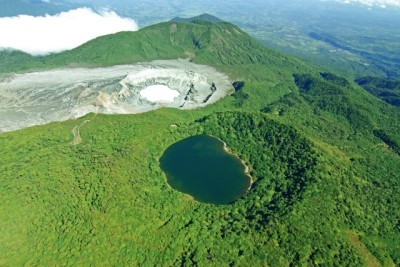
199,166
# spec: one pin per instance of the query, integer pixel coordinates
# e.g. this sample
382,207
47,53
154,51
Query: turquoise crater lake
201,167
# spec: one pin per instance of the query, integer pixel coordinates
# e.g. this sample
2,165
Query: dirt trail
77,135
370,259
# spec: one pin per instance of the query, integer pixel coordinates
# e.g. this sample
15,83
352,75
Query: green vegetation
387,140
204,17
386,89
323,152
201,41
12,60
385,61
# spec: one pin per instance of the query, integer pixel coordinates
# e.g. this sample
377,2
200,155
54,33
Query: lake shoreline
246,167
205,168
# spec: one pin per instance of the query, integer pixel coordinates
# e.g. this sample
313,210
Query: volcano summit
56,95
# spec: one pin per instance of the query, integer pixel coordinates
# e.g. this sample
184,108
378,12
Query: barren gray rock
57,95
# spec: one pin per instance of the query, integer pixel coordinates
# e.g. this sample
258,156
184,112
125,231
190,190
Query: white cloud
371,3
67,30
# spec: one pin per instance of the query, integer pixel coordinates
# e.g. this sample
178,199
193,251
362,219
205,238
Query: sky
47,34
371,3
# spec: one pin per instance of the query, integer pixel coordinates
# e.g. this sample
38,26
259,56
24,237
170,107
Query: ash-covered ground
57,95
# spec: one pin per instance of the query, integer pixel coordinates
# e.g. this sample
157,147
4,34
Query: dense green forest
323,153
386,89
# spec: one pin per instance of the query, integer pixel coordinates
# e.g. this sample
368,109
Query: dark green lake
200,166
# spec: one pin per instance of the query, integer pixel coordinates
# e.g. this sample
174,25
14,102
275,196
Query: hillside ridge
200,40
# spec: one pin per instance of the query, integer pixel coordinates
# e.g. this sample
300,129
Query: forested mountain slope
323,153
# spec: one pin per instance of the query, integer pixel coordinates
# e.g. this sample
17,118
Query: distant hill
200,40
14,60
385,88
11,8
205,17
